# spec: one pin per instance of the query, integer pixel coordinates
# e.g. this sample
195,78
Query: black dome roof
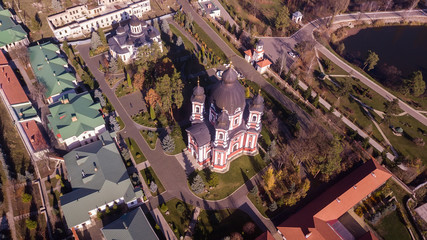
134,21
257,103
223,122
198,94
229,94
120,30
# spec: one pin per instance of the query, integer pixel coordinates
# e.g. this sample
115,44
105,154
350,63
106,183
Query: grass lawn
150,137
223,38
404,144
137,154
52,197
144,119
179,145
11,143
121,123
241,170
265,138
335,70
209,42
257,202
19,207
178,218
221,223
392,228
149,176
188,45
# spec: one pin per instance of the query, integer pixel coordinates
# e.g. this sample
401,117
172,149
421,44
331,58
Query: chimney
338,200
83,173
32,139
77,156
373,174
125,225
74,118
26,125
102,140
308,235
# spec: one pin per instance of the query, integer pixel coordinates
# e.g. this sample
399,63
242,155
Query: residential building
256,58
20,107
76,120
130,226
81,20
326,217
52,70
130,37
210,9
11,33
98,178
297,17
229,127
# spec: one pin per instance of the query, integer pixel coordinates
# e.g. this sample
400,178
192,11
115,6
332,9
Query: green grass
151,141
392,228
178,220
241,170
187,43
123,89
336,70
149,175
224,38
179,145
137,154
209,42
217,224
121,123
144,119
257,202
404,143
265,138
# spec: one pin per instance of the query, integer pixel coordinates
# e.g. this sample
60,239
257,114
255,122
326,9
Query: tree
341,48
36,22
371,61
153,187
280,64
345,88
165,27
170,91
213,180
56,5
101,35
269,179
197,185
152,113
333,159
138,81
391,108
152,98
129,80
416,84
168,144
112,65
95,41
329,67
249,228
282,19
164,207
100,97
316,101
30,224
26,198
179,41
65,47
307,93
113,122
273,206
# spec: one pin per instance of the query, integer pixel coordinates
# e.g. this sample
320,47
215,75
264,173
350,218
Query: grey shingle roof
105,179
131,226
228,93
201,133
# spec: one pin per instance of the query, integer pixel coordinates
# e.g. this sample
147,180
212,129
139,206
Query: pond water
404,47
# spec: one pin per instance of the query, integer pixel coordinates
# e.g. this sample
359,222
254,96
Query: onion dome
129,41
143,23
198,94
260,43
152,34
120,30
223,122
229,94
134,21
257,103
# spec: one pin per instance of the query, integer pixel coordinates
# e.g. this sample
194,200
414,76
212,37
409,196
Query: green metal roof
25,111
80,106
130,226
10,32
48,66
98,176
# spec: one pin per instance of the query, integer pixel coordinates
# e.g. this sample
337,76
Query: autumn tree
269,179
371,61
138,80
101,35
282,19
152,98
170,91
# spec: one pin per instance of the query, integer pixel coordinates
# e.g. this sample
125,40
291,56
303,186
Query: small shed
297,17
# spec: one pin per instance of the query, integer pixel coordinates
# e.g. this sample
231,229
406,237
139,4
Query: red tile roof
317,217
9,83
34,135
248,52
264,63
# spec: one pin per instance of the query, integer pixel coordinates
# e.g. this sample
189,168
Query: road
166,166
279,45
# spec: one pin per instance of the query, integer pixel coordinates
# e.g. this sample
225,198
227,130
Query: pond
401,46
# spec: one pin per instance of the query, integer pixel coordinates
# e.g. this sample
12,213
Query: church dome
198,94
134,21
229,94
223,122
257,103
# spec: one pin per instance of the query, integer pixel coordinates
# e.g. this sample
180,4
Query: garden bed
178,214
150,137
150,176
137,154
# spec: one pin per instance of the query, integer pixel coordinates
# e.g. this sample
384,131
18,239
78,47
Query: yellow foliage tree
269,179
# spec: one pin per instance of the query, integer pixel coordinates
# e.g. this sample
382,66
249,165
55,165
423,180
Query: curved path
281,45
166,167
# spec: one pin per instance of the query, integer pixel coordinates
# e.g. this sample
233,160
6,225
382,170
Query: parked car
292,54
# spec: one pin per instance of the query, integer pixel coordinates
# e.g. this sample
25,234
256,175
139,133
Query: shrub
254,190
31,224
180,208
107,209
164,207
168,144
26,198
115,206
57,176
272,207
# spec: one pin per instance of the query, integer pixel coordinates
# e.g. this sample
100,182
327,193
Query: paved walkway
193,222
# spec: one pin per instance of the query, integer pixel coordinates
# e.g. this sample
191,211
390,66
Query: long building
11,33
81,20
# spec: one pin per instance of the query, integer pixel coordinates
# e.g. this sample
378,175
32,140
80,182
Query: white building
129,38
256,58
297,17
81,20
210,9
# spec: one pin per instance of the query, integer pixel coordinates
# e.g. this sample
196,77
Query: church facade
226,125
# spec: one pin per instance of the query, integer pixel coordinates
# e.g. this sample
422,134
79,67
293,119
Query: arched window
235,147
254,118
197,109
221,136
236,121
